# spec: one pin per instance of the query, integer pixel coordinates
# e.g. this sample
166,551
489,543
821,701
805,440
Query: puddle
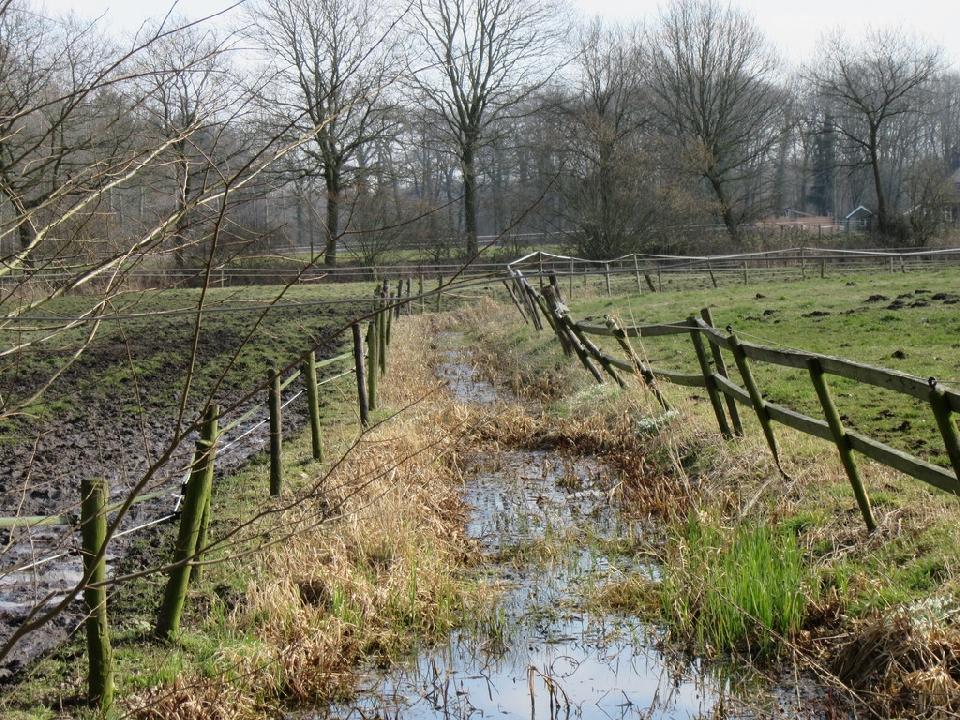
544,655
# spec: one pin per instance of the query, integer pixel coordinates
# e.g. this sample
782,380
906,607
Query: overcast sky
794,27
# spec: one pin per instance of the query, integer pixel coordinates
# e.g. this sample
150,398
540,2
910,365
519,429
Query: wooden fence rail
943,402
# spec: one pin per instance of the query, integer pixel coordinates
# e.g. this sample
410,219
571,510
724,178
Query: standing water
543,521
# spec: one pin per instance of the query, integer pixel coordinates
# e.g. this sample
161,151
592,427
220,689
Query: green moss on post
209,433
709,382
948,428
276,435
373,362
308,370
842,441
358,371
194,503
93,531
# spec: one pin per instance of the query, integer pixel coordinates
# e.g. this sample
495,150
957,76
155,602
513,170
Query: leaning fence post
276,435
708,381
358,371
93,530
639,368
841,439
721,366
948,428
208,433
373,363
756,397
195,498
606,274
309,371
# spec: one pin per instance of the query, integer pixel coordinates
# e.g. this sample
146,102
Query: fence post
358,371
396,309
659,277
746,279
644,372
309,371
564,334
712,278
803,265
209,432
570,283
373,363
606,273
439,290
407,305
382,335
903,267
948,428
195,499
756,397
709,382
540,267
823,268
420,290
390,308
841,439
93,530
721,366
276,435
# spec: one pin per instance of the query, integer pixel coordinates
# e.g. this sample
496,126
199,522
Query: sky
793,27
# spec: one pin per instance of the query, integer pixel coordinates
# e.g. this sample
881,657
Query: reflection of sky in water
550,659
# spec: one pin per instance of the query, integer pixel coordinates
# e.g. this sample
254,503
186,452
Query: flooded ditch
550,531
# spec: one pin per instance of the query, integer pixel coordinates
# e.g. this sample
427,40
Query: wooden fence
713,348
193,503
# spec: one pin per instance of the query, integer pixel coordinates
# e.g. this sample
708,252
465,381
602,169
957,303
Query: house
860,218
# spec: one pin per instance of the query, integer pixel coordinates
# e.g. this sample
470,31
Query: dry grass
383,573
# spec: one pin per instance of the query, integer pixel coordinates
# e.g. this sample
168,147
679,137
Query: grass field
904,322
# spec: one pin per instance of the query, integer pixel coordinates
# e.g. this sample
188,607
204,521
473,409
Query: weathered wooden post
540,264
391,303
396,310
276,435
439,290
711,385
570,283
746,278
636,272
373,363
639,368
823,268
93,531
841,439
946,424
756,397
382,335
210,434
358,371
408,305
803,265
606,275
721,366
308,370
659,277
195,499
420,290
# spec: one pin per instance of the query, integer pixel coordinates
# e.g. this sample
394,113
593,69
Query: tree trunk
883,222
468,168
726,212
332,178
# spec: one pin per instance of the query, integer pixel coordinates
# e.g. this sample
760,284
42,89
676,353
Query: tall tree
712,77
484,58
334,60
871,86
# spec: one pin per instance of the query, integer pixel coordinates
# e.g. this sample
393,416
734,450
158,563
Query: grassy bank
363,557
752,562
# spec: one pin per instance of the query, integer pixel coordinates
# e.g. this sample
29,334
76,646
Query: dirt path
547,526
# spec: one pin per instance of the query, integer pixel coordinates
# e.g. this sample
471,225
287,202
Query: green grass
730,591
782,315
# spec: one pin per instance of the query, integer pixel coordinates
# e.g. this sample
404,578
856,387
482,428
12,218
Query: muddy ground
112,415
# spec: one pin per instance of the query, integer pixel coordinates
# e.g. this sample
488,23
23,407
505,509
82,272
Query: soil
99,432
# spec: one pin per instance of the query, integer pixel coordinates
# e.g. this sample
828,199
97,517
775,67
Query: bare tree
712,77
183,93
334,61
608,198
484,58
871,87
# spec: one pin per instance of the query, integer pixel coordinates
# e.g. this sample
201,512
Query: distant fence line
708,345
652,271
